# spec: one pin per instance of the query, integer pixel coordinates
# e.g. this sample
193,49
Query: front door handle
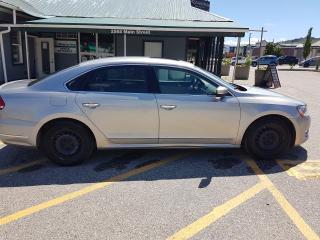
91,105
168,107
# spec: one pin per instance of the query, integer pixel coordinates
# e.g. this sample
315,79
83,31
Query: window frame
178,68
149,81
19,45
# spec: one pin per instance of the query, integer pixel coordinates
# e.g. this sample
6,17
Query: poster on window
65,47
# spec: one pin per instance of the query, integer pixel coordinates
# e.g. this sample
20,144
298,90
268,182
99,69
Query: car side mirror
221,91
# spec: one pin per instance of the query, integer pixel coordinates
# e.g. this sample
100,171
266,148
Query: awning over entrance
225,28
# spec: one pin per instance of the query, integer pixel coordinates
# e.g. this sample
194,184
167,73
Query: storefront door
45,57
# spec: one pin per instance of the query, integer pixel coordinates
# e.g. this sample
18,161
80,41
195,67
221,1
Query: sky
283,19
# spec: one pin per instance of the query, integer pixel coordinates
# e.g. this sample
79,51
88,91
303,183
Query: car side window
180,81
127,79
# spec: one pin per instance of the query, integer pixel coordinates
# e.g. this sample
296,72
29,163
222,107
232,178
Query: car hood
271,96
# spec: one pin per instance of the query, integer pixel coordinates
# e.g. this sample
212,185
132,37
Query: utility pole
262,31
249,48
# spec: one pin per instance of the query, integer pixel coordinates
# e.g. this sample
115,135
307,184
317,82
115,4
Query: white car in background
146,103
241,61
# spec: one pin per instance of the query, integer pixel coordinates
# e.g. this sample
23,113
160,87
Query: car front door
189,111
117,99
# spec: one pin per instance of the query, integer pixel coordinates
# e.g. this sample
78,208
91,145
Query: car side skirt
166,146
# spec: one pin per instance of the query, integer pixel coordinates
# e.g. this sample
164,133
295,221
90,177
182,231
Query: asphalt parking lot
168,194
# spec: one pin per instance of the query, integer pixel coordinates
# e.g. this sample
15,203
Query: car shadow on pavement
11,156
204,164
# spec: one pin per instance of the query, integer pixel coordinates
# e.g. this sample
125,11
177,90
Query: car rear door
189,111
118,100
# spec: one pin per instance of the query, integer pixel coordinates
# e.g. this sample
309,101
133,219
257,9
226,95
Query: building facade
38,38
315,49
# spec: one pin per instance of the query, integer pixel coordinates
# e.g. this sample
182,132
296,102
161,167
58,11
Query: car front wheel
67,143
268,139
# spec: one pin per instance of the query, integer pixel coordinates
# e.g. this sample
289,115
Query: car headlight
302,110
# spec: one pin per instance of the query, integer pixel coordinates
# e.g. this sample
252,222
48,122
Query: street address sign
130,32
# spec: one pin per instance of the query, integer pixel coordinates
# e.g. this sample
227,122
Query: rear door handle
91,105
168,107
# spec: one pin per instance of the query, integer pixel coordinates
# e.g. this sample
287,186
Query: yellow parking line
302,170
84,191
217,213
19,167
304,228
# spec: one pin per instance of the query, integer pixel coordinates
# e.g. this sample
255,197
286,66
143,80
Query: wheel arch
272,117
54,121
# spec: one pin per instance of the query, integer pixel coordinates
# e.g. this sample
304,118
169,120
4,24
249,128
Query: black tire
67,143
268,139
254,64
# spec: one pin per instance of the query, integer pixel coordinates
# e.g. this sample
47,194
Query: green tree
273,49
307,44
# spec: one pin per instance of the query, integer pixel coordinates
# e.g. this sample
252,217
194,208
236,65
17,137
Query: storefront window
87,46
16,46
94,45
106,46
192,50
153,49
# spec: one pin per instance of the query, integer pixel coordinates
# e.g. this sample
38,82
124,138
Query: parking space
167,194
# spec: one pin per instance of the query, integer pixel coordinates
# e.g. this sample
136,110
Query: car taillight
2,103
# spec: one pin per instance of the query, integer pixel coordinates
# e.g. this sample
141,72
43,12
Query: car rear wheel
268,139
67,143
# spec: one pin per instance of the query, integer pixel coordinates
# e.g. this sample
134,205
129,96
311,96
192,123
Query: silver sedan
146,103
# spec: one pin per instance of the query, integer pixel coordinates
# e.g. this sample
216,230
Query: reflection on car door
117,100
190,113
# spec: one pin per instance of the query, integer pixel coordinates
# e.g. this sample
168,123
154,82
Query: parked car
309,62
241,60
265,60
291,60
146,103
